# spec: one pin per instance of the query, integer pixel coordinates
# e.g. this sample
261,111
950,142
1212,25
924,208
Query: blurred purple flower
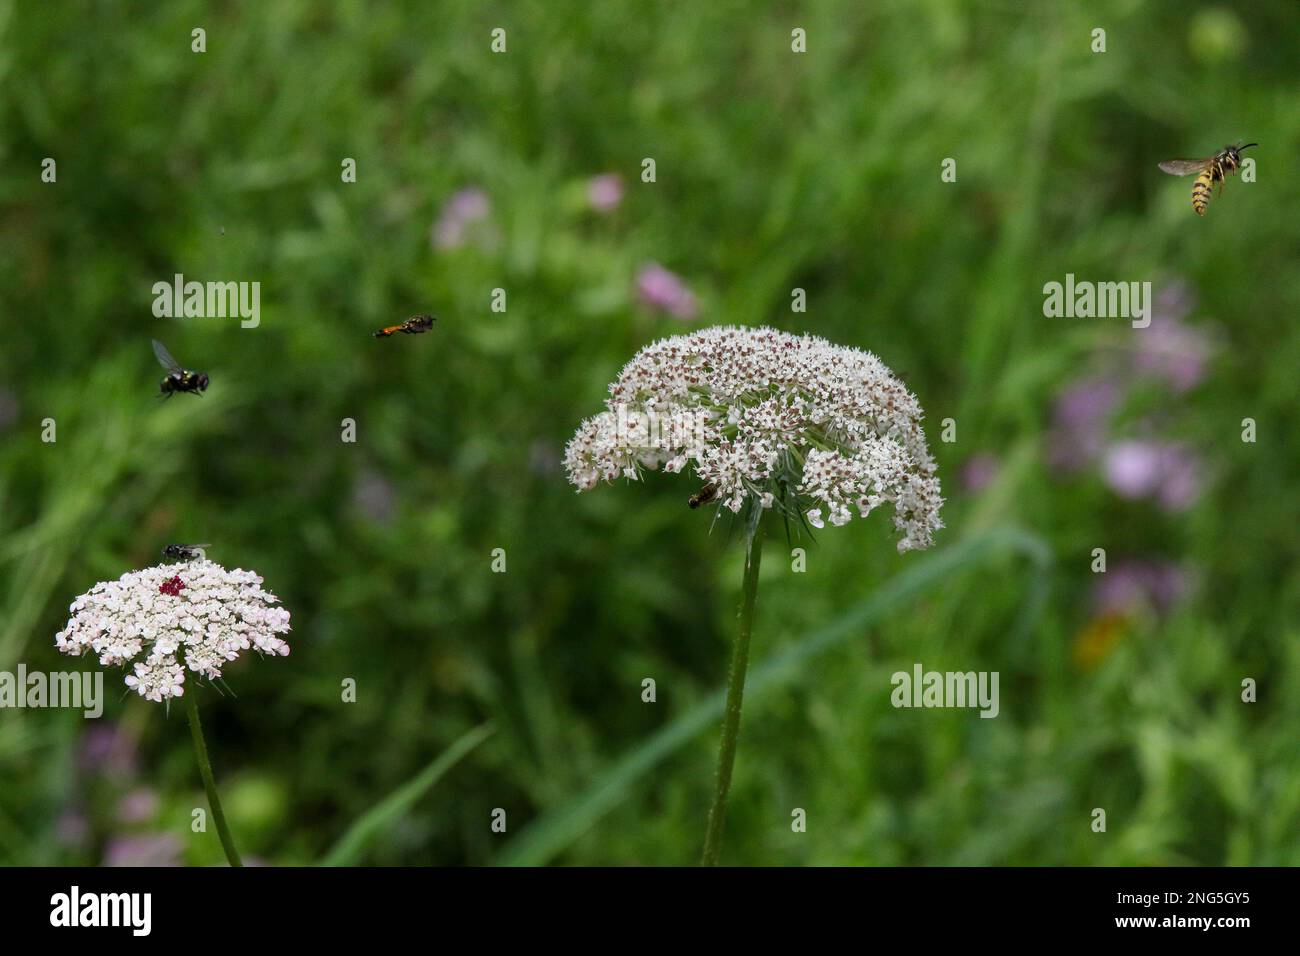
71,828
605,192
661,289
1170,349
1079,425
979,471
462,210
1174,300
107,749
1156,584
146,849
1184,479
1133,468
1168,471
138,806
1081,434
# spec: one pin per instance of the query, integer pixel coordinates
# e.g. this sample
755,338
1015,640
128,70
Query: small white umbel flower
768,418
171,618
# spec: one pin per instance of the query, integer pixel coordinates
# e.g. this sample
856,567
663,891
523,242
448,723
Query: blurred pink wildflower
465,208
663,290
605,192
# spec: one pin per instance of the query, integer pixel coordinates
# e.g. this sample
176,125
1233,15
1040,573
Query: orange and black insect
1209,171
178,379
703,496
413,325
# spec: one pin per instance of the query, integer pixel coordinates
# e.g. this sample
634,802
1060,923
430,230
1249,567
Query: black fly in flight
178,379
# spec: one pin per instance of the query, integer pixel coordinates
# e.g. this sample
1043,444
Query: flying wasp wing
1184,167
165,357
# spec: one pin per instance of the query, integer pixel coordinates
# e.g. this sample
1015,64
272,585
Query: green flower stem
205,771
735,694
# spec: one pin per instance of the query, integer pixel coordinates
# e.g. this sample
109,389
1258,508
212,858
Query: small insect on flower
186,552
702,497
178,379
165,626
412,326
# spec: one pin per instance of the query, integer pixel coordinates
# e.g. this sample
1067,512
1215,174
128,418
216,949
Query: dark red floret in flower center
172,586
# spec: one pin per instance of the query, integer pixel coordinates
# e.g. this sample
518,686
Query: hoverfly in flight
186,552
178,379
412,326
1210,171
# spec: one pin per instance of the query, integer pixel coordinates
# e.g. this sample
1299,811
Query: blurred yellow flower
1098,638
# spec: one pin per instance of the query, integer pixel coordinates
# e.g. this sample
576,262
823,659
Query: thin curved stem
735,696
205,771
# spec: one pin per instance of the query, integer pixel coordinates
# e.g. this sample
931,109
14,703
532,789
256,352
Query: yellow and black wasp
1210,171
412,326
178,379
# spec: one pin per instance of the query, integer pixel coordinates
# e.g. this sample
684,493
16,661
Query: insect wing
186,551
1184,167
165,357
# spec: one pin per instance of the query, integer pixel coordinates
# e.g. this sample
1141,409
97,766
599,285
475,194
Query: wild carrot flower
168,622
766,418
171,618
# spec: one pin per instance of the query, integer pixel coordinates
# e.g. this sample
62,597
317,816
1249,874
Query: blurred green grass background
775,170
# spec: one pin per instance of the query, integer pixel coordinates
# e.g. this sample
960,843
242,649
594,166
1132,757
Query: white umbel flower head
767,417
171,618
